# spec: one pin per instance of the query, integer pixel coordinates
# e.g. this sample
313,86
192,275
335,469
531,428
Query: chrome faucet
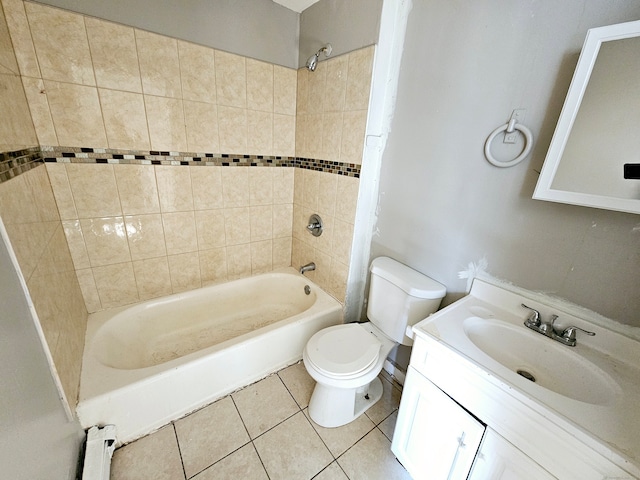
307,268
565,336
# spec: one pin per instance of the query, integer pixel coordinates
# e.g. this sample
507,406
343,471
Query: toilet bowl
345,360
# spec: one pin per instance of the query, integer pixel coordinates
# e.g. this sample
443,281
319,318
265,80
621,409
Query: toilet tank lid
411,281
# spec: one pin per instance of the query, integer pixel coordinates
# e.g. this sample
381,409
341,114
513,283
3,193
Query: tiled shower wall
137,230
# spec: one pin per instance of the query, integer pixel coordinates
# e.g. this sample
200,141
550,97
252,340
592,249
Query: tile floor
264,432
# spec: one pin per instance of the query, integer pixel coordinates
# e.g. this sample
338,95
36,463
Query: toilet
345,360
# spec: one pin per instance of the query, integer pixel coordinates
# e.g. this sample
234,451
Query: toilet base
333,407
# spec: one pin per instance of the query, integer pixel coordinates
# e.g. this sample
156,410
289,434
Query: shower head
312,63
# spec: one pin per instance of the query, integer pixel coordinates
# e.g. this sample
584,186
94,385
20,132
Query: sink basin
541,360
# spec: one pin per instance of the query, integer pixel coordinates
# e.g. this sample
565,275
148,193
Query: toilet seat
343,350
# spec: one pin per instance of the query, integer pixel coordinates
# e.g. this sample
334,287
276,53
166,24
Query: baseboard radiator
101,442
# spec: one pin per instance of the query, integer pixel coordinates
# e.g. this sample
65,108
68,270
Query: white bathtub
147,364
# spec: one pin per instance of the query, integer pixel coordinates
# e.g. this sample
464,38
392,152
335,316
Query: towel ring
509,127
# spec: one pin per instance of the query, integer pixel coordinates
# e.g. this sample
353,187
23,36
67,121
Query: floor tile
299,383
388,425
332,472
243,463
293,450
265,404
389,402
210,434
339,439
154,456
371,459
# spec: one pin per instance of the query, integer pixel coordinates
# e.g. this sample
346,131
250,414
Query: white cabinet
435,438
497,459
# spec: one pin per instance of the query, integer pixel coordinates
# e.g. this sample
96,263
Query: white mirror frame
543,191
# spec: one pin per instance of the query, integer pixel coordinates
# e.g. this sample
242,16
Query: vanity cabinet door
498,459
435,438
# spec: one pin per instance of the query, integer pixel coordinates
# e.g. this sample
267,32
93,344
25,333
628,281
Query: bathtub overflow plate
307,289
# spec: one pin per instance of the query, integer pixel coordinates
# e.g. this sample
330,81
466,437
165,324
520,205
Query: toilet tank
399,296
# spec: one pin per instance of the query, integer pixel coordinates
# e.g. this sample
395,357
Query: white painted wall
346,24
37,441
259,29
466,66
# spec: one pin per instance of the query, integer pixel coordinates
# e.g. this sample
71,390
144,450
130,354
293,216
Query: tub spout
308,267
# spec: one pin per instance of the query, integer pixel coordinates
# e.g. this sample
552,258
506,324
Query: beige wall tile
16,202
259,85
359,79
342,239
201,120
261,257
213,266
259,133
94,190
261,185
283,183
232,129
89,290
317,82
62,190
37,182
311,186
116,284
338,282
238,261
331,135
281,252
237,225
336,85
284,90
8,63
21,37
185,272
81,125
114,55
302,130
210,228
197,72
174,188
324,242
29,241
19,132
300,221
323,269
137,189
106,240
231,79
347,198
206,183
353,130
165,117
261,222
235,186
152,277
77,246
145,234
284,135
327,193
314,135
159,64
298,183
125,120
40,111
302,91
282,220
60,40
180,232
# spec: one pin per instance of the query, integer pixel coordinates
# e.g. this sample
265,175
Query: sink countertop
610,426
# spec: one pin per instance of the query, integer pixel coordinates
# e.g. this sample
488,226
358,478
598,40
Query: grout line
175,433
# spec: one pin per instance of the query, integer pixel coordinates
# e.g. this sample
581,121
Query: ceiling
296,5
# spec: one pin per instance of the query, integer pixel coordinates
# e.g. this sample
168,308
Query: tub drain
526,375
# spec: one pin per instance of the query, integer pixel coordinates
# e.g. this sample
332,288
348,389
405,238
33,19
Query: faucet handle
569,333
534,317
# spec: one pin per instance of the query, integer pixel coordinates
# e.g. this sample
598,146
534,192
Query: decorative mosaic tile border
139,157
14,163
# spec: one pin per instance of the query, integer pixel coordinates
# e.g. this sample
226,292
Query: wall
346,25
259,29
466,66
37,440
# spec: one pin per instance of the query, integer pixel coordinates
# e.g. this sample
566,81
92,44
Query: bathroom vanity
487,397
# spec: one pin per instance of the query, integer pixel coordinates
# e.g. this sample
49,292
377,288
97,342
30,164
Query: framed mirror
594,156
